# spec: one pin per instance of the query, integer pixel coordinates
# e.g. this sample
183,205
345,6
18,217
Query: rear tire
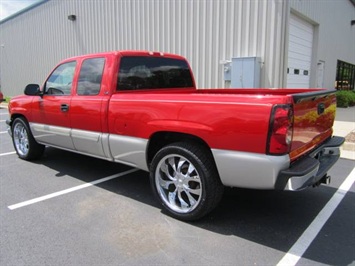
185,180
25,145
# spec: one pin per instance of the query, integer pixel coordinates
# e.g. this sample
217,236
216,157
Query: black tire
25,145
185,180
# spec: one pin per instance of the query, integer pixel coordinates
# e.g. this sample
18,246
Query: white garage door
299,53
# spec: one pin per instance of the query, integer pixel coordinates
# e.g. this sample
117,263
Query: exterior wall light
72,17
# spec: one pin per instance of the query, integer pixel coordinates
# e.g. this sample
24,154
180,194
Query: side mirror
32,90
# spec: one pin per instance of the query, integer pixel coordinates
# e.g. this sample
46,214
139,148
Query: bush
345,98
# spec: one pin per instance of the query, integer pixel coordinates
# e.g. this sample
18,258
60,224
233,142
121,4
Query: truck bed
244,112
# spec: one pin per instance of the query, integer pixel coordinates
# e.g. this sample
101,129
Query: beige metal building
242,43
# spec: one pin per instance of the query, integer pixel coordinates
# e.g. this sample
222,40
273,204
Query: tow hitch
324,180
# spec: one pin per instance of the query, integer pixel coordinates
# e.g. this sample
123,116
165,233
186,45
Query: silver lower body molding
249,170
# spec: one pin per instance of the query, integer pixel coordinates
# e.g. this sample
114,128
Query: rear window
142,72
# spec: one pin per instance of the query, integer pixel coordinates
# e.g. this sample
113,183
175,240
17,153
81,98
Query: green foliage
345,98
7,99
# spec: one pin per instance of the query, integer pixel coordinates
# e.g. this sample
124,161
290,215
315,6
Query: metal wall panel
334,35
204,31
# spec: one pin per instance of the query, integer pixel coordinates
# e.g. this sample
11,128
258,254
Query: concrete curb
347,153
4,105
343,129
349,146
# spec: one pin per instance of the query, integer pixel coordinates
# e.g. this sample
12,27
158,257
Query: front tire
185,180
25,145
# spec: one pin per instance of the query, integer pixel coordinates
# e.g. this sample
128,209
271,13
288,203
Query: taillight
280,130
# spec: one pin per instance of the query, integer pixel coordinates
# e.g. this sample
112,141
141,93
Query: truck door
89,109
51,112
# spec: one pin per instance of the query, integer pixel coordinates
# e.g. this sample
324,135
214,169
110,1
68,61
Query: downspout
285,39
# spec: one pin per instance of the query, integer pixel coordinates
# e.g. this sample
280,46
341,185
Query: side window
90,76
144,72
61,80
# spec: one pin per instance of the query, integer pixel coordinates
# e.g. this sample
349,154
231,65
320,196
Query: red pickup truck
143,109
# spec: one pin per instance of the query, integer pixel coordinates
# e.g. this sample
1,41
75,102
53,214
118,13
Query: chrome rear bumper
312,169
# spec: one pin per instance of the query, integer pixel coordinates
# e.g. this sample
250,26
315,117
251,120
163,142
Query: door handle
64,107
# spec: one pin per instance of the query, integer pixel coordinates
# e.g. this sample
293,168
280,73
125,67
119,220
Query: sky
9,7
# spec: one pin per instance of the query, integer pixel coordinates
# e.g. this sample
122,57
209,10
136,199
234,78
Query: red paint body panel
46,110
310,128
90,112
229,119
231,122
21,105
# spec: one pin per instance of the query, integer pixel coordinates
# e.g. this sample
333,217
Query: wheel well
14,116
162,139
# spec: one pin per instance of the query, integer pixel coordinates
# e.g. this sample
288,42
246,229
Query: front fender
21,106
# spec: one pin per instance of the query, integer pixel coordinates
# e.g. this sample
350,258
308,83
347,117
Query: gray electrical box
245,72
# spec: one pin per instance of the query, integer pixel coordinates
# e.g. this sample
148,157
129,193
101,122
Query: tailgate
314,114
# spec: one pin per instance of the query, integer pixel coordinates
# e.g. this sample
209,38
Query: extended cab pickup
142,109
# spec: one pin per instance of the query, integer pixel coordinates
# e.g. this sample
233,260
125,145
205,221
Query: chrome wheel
178,183
24,143
20,136
185,180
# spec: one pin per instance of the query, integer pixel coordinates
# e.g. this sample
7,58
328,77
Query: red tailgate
314,114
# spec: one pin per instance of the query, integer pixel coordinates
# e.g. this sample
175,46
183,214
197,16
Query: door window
90,76
61,80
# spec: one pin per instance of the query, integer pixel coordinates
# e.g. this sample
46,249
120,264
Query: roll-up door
299,53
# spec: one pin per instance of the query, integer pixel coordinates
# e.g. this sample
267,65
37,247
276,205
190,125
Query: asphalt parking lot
60,211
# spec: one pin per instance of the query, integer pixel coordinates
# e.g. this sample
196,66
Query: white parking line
62,192
3,132
2,120
298,249
7,153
